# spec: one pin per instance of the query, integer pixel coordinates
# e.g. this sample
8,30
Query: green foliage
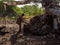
32,10
1,8
17,10
8,0
28,10
0,0
14,11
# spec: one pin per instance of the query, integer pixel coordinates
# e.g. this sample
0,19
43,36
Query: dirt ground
12,28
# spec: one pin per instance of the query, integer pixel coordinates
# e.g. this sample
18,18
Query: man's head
22,14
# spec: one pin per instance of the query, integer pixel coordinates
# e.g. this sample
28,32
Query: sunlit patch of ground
27,18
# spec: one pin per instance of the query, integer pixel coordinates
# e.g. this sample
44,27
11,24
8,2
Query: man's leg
19,30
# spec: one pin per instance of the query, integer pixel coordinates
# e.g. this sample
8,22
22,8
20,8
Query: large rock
37,26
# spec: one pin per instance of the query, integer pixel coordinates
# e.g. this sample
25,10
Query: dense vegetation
14,11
